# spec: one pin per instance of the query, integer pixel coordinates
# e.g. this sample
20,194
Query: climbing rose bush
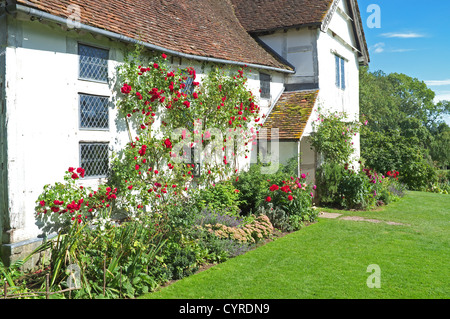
61,204
187,132
333,136
183,132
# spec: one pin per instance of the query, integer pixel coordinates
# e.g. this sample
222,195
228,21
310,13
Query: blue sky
413,37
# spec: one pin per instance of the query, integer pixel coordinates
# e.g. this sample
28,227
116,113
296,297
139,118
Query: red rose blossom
274,187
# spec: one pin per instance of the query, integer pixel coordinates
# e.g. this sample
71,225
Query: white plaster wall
307,159
3,188
330,96
42,113
297,47
342,44
43,116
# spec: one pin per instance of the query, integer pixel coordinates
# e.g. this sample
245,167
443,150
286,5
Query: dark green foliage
405,130
253,186
222,196
328,178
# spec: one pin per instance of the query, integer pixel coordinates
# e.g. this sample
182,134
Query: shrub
278,217
293,200
253,186
357,190
252,232
332,136
391,189
328,178
208,216
220,196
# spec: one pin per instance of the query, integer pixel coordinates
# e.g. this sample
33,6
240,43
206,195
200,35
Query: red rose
187,104
164,55
168,143
195,95
268,199
126,89
274,187
290,197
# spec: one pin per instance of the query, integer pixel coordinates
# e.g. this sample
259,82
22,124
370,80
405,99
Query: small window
188,86
340,72
264,83
94,113
94,158
93,63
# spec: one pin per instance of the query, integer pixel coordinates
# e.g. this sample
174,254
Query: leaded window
94,158
264,81
94,112
340,72
93,63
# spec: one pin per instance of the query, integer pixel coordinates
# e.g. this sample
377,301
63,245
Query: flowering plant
61,204
333,136
187,132
294,197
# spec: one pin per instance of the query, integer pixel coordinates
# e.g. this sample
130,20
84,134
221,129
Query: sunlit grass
329,259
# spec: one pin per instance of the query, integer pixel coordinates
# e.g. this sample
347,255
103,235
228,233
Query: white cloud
402,50
437,82
378,47
445,96
407,35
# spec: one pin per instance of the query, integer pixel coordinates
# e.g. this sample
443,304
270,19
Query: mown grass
329,259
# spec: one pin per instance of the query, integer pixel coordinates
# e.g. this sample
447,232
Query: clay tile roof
207,28
291,113
269,15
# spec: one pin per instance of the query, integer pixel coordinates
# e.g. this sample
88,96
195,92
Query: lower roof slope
290,114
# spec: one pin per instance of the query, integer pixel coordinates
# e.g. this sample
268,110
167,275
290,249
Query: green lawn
329,259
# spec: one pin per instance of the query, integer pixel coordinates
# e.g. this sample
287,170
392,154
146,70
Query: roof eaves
15,7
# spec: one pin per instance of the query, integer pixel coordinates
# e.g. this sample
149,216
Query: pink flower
303,176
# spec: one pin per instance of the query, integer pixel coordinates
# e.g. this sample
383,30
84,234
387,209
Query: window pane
93,63
264,82
94,159
93,112
342,73
189,88
338,75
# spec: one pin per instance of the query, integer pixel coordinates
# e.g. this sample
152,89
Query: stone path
356,218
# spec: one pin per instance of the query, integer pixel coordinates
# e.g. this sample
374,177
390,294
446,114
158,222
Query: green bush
222,196
328,178
253,185
357,191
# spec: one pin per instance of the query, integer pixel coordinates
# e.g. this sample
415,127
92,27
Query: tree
402,126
